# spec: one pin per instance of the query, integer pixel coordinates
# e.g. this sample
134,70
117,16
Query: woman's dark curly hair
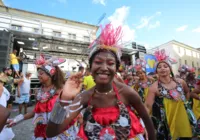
57,79
104,50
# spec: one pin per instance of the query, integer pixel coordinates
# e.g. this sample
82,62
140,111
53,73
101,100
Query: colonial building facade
184,54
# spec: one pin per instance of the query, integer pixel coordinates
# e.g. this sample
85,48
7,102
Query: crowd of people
105,101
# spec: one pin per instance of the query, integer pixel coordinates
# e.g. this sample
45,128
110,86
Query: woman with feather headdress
52,80
107,105
174,119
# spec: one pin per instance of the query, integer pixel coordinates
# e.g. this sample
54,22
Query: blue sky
149,22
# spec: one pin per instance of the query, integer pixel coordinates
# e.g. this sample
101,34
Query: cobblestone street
24,130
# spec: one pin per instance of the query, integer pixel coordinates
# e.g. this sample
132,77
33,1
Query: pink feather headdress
162,56
48,65
108,39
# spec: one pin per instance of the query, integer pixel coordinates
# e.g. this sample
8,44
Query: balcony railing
42,27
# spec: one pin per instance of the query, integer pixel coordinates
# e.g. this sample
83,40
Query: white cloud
145,21
197,30
119,18
99,2
155,25
62,1
182,28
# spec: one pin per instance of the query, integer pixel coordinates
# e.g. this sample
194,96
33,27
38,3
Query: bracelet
58,114
64,101
18,118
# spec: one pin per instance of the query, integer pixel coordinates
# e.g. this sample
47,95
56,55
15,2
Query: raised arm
136,102
63,115
68,106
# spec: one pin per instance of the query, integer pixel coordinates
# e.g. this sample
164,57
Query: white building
38,33
184,54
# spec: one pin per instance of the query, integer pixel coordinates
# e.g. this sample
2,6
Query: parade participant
88,81
14,62
129,79
23,93
183,71
170,108
52,80
107,105
6,133
190,78
195,94
144,82
9,85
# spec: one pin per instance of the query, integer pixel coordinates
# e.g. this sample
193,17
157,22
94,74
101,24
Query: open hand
72,87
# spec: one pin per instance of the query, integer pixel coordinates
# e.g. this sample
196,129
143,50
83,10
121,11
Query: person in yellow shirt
88,80
14,62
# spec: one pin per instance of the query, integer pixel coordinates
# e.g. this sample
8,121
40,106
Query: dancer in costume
183,71
144,82
170,108
189,74
107,114
52,80
195,94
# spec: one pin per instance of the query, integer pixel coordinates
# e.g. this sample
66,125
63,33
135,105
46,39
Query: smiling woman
107,112
170,110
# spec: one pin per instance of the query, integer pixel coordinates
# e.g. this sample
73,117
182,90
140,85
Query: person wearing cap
9,85
23,92
174,118
6,133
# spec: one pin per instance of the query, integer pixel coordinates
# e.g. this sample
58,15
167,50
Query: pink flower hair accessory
48,65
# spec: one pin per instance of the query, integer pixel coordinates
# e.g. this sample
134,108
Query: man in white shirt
24,92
